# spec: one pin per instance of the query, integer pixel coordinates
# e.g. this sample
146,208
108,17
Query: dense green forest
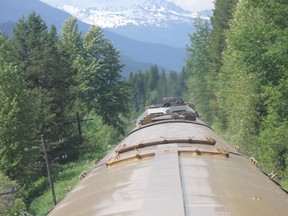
50,84
68,86
238,78
150,87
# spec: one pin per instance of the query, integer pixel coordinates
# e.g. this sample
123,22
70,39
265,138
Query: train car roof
174,165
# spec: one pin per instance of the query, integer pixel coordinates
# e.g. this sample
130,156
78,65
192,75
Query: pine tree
161,88
138,91
70,47
198,68
45,80
152,79
17,134
100,85
49,79
222,14
28,41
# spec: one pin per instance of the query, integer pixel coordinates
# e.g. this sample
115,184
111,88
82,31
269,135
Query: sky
193,5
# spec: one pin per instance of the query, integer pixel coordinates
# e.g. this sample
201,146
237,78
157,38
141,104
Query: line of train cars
173,164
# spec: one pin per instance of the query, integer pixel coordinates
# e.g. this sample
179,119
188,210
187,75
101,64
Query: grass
284,184
69,177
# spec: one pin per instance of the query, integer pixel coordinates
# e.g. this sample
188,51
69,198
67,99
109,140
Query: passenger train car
173,164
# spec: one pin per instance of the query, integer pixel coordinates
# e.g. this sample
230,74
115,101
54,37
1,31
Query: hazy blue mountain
136,51
162,55
6,28
13,10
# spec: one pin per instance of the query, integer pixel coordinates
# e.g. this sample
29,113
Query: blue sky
193,5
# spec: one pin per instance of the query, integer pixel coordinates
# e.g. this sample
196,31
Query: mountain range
153,32
152,21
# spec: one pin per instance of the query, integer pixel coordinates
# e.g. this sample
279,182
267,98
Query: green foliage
42,104
5,50
44,80
16,120
70,41
252,86
9,203
29,45
38,187
274,149
152,86
198,67
99,138
138,91
38,61
70,47
66,179
273,136
238,77
16,209
100,85
237,100
222,14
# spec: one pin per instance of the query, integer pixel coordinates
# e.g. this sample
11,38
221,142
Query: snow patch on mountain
158,13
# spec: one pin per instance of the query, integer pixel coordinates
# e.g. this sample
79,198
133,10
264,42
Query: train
174,164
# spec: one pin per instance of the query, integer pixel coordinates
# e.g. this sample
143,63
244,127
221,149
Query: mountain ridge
152,21
150,13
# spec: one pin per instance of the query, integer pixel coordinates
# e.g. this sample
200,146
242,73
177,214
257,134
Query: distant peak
160,13
154,4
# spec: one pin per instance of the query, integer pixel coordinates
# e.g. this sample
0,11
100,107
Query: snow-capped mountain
151,13
156,21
